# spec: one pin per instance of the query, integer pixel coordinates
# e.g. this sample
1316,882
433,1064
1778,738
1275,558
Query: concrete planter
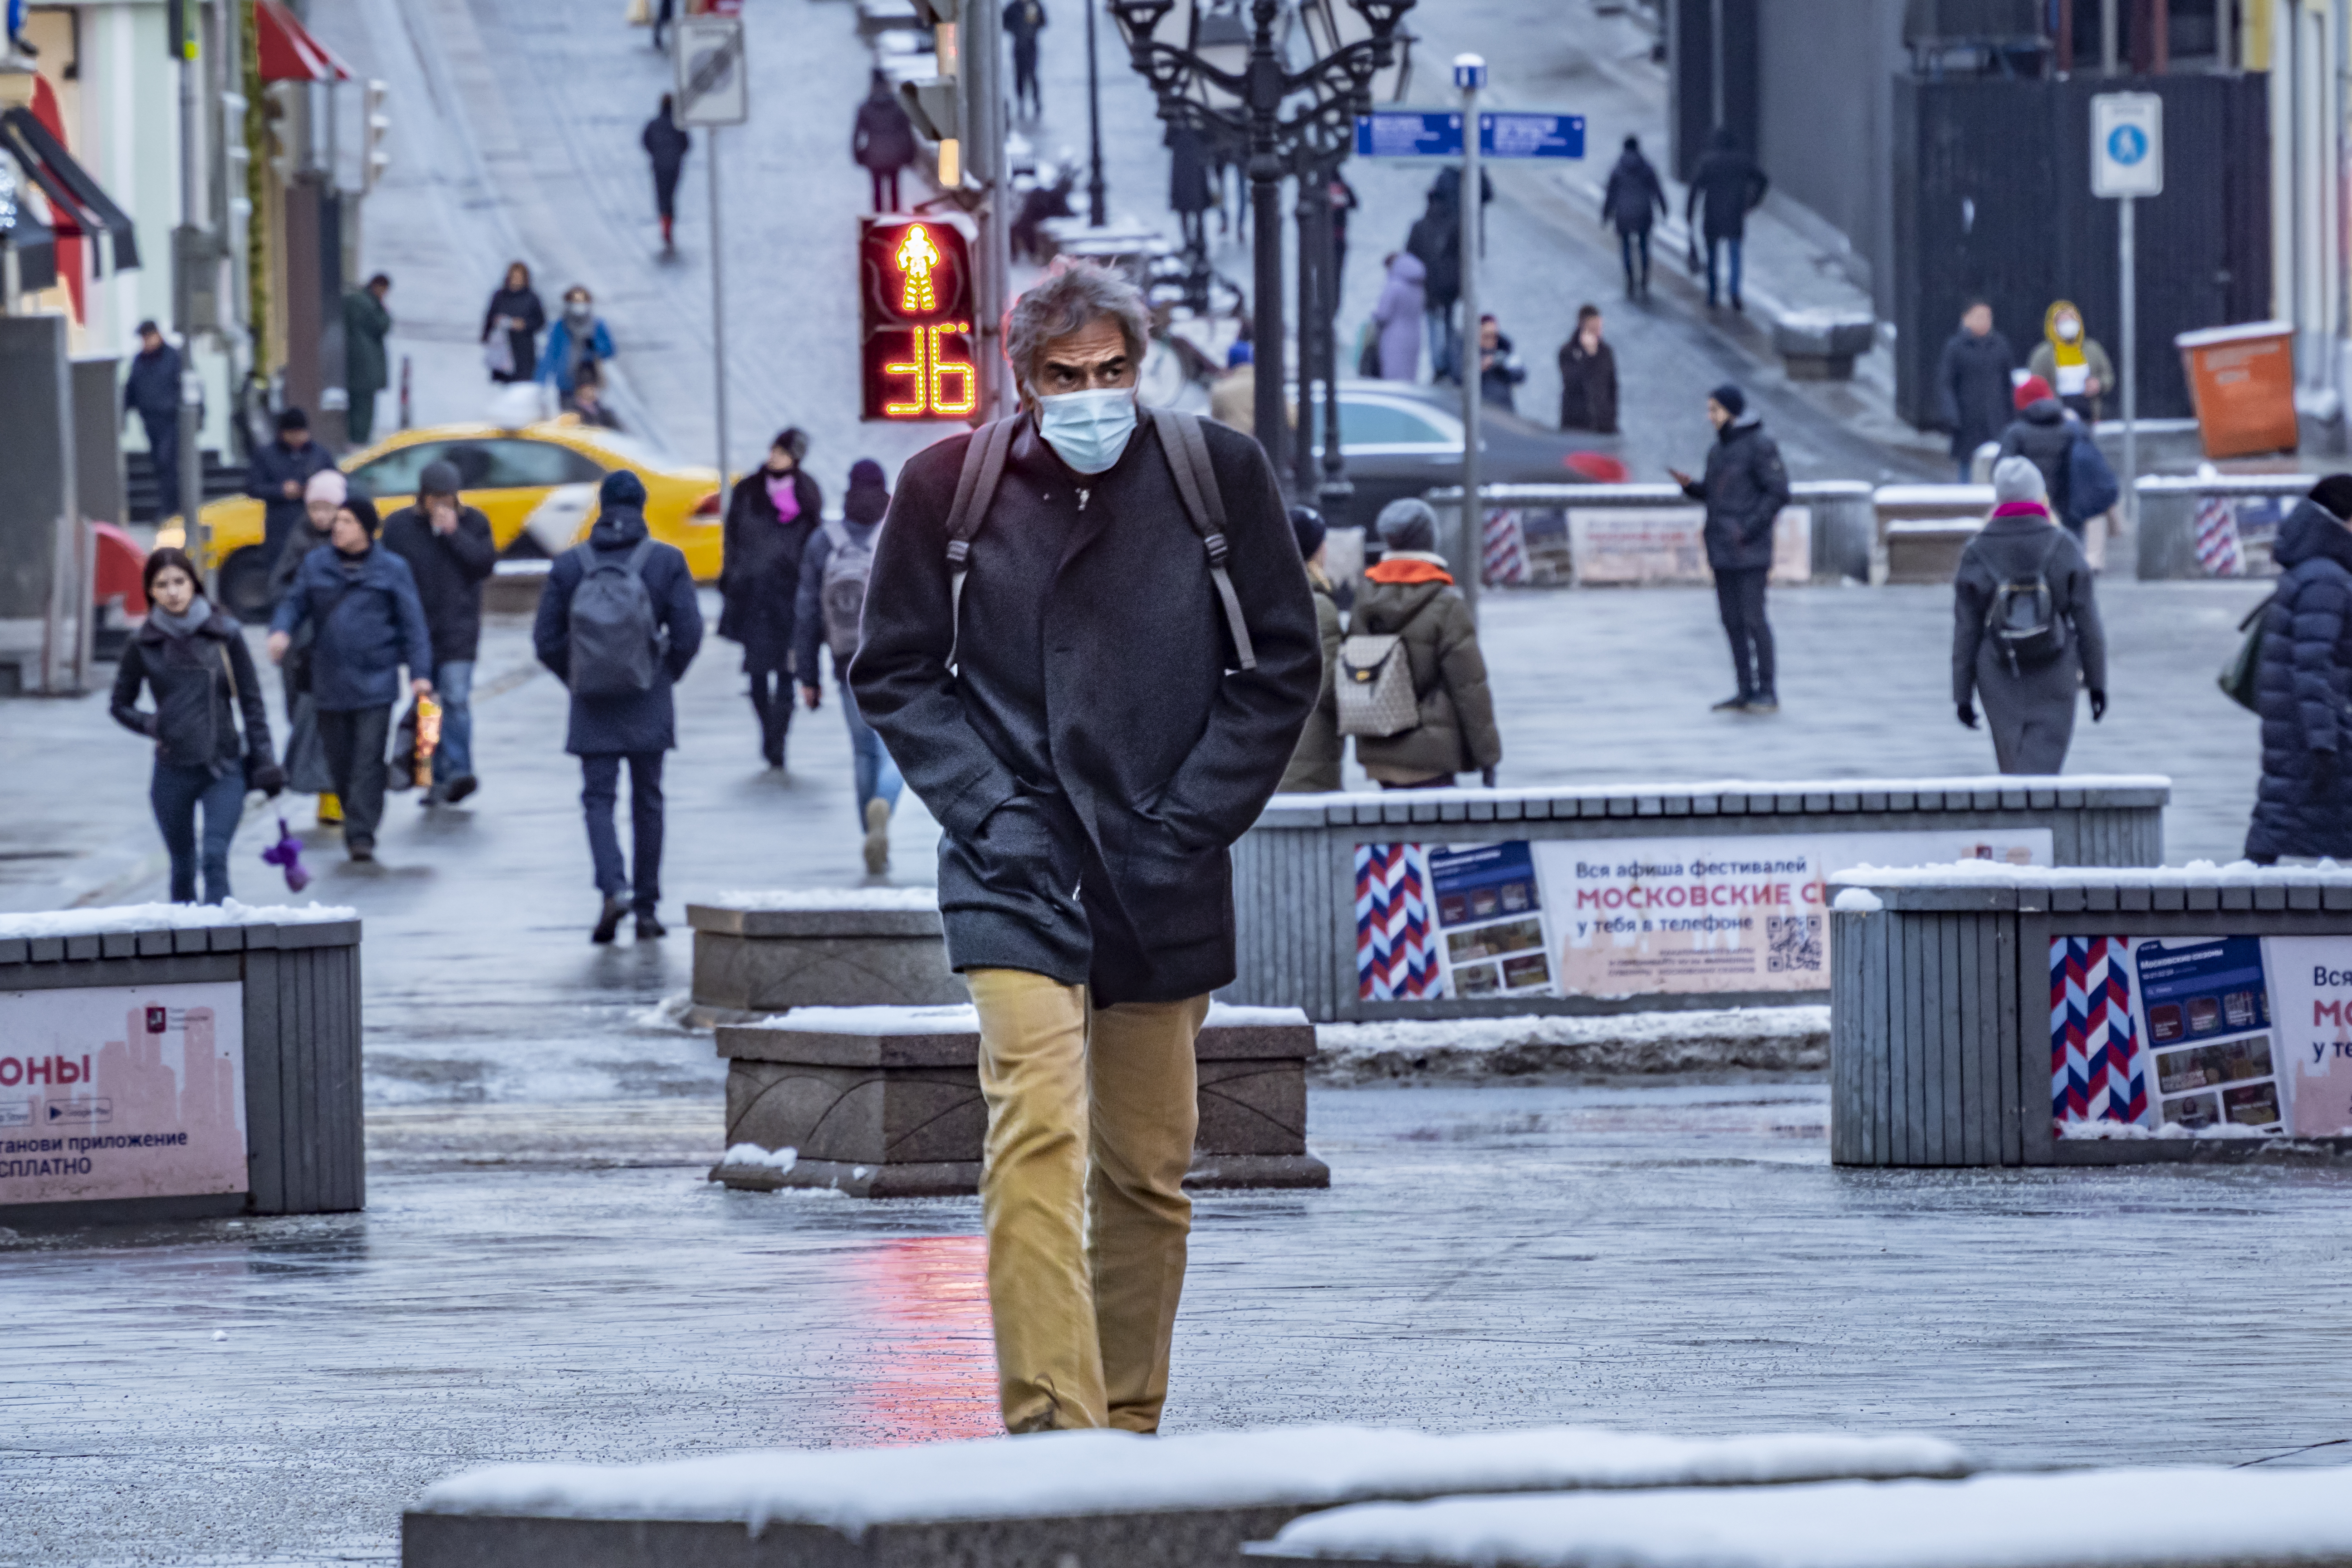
755,955
1822,344
885,1103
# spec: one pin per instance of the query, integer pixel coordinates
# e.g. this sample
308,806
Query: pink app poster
133,1092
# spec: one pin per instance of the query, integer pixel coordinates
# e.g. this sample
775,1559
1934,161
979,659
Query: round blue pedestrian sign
2128,144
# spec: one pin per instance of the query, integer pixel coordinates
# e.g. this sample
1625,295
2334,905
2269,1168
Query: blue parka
636,721
2302,691
368,621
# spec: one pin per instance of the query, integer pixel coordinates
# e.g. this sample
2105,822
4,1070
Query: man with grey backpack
618,623
1412,681
828,605
2026,634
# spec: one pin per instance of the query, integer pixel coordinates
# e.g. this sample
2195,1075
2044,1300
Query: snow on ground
2077,1519
1768,1039
1116,1472
169,916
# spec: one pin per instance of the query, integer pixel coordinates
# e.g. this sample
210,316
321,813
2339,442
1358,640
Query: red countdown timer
915,299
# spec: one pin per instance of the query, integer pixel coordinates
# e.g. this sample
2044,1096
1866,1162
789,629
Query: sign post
1470,75
713,91
2126,164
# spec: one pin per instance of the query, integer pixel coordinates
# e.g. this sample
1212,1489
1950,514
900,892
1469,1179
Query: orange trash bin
2242,382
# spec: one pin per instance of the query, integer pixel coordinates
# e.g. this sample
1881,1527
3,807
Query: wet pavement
1681,1260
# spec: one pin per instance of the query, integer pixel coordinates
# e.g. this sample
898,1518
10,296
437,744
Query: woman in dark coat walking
882,142
515,311
769,517
2303,688
194,658
665,143
2030,705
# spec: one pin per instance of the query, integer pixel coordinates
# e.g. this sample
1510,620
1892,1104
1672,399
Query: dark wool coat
152,387
1587,387
1727,183
2031,712
201,682
2045,432
666,142
1635,198
522,343
272,465
1972,391
883,138
449,570
1457,734
368,623
1094,742
2303,691
1315,764
1745,487
759,572
634,721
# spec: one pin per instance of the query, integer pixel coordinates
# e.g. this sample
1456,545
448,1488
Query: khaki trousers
1091,1113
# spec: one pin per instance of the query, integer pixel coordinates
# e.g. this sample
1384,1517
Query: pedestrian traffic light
915,305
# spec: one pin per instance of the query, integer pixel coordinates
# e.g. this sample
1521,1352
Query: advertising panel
2221,1035
127,1092
1623,917
1630,545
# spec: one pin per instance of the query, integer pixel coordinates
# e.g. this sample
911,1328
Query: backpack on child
848,566
1374,686
613,636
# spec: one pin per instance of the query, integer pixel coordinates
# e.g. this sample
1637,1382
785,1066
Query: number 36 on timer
915,302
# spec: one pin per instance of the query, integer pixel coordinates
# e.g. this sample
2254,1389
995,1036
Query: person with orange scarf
1411,594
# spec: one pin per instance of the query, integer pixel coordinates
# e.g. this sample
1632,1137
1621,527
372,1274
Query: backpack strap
638,556
983,466
1196,483
834,533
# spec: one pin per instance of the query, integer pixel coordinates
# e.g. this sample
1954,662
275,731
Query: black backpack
2022,619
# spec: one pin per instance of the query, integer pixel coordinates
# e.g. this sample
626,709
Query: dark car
1399,439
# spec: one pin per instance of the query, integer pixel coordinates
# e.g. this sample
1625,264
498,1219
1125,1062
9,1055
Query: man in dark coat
1634,201
636,727
666,143
1744,488
361,600
2046,431
278,474
770,516
1588,378
366,367
2302,687
1024,20
1088,735
882,142
1972,390
1727,183
151,391
448,547
1436,238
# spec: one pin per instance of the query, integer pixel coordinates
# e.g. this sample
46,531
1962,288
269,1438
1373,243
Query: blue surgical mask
1090,429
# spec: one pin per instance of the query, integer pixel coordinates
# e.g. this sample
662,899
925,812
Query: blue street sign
1505,135
2128,144
1409,134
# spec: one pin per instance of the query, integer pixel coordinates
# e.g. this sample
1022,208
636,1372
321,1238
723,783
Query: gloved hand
2098,705
270,779
1486,777
2323,776
1968,714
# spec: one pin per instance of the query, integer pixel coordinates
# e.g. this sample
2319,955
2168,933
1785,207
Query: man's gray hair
1078,294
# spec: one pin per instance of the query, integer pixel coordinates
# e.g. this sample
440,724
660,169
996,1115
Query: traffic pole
2127,264
185,258
718,315
1470,75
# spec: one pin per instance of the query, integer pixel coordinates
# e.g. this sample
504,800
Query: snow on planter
167,916
2183,1518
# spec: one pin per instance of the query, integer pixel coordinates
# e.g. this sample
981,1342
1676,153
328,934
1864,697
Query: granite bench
1062,1500
2202,1517
885,1102
761,953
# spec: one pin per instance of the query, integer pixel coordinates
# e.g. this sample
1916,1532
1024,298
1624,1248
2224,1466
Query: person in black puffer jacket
2303,686
194,658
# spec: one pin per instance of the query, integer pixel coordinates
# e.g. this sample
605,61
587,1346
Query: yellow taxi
536,483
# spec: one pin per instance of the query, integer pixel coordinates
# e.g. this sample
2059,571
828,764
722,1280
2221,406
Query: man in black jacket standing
1745,487
1972,387
1090,777
276,477
448,547
151,391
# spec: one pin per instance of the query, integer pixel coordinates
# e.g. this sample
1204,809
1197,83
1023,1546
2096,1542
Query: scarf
783,496
2063,352
180,625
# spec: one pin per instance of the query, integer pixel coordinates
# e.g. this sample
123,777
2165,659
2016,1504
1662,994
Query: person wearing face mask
2072,361
770,516
1095,685
448,548
361,600
193,659
578,338
306,759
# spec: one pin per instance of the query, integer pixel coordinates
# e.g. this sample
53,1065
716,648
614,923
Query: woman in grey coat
2029,703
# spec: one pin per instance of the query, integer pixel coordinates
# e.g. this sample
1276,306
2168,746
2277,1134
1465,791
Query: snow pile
1109,1472
1225,1016
1768,1039
2077,1518
1857,901
2132,1131
2196,874
819,900
778,1159
169,916
671,1013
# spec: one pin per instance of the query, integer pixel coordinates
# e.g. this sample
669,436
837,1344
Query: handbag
2239,676
1374,686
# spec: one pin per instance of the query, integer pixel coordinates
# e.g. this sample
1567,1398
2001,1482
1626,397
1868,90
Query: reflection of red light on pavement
930,1352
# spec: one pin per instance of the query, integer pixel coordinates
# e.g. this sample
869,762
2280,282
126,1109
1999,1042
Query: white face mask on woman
1089,428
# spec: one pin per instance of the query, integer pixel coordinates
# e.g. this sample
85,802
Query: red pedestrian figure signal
914,305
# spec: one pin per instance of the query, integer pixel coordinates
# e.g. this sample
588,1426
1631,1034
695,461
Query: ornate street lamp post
1324,99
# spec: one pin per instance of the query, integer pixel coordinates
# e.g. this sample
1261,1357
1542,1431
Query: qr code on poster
1796,942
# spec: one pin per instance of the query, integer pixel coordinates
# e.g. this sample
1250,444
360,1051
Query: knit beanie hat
2016,479
620,487
867,500
2032,390
1309,525
1734,401
1408,524
327,485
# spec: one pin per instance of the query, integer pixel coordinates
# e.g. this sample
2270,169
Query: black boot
609,922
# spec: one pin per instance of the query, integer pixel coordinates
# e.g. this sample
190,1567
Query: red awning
289,52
